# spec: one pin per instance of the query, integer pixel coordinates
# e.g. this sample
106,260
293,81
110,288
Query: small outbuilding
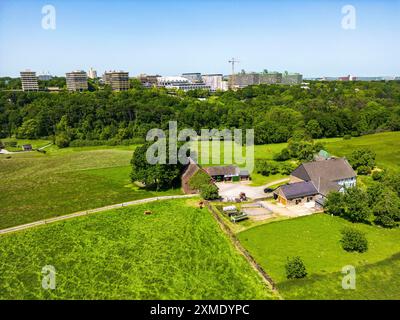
296,193
27,147
227,173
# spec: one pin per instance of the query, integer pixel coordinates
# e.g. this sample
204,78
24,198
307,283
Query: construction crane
232,78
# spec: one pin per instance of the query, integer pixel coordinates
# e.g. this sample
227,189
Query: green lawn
35,186
316,240
177,252
386,145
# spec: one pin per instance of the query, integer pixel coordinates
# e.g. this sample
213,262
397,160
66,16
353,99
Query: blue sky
171,37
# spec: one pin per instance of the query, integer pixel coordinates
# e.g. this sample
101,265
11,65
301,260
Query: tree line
276,112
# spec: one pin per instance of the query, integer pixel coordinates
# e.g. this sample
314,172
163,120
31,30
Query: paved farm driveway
229,190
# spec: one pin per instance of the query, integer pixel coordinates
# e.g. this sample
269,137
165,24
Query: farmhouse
216,174
312,181
227,173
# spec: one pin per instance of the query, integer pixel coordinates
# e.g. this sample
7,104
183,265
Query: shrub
335,204
362,157
378,175
209,192
346,137
295,268
385,221
1,144
199,179
62,140
266,168
286,168
10,144
385,205
283,155
86,143
352,205
354,240
363,170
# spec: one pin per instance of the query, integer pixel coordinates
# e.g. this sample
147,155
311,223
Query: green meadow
385,144
176,252
37,186
316,240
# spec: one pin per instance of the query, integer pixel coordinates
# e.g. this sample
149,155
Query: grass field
316,240
386,145
177,252
35,186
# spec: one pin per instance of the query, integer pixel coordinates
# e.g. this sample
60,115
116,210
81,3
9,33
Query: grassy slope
316,240
37,186
177,252
386,145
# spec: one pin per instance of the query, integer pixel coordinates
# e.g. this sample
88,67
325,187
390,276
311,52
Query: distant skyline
173,37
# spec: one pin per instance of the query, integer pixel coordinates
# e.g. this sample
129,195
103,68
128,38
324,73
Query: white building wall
215,81
347,183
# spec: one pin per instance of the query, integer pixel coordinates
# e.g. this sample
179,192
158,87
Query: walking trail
86,212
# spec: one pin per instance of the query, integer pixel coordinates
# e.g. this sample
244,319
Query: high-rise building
45,76
92,74
292,78
215,81
247,79
77,80
148,80
270,78
118,80
29,81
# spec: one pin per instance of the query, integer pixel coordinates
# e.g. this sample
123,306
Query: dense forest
276,112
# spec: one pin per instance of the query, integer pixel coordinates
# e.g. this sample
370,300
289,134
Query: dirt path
47,145
86,212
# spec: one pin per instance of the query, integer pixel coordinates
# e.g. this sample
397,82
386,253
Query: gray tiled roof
222,171
299,190
333,169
